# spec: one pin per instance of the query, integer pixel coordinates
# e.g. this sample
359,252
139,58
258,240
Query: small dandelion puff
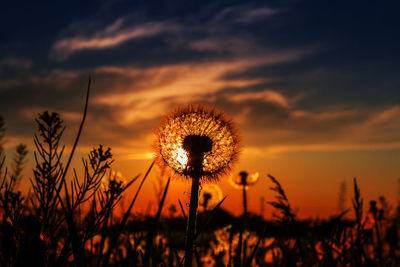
243,179
197,133
210,196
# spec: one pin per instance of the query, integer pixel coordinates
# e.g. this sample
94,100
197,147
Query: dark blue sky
337,58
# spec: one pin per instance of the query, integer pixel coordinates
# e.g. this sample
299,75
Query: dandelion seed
193,132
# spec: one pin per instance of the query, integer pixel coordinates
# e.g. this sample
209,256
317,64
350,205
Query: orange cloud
143,92
267,96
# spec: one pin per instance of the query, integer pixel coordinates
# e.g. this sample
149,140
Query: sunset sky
313,86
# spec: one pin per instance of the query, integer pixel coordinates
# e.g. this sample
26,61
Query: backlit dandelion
199,143
243,179
196,132
210,196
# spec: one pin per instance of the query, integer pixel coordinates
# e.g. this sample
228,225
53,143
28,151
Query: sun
181,157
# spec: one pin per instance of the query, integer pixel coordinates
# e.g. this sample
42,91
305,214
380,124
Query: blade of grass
183,211
114,240
76,139
150,237
253,253
237,260
172,243
76,247
209,218
358,209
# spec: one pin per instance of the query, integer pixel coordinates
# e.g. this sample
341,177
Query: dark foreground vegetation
70,219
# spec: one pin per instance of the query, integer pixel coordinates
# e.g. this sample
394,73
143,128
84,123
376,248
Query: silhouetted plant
12,203
2,158
281,203
78,226
358,210
48,171
11,199
32,249
19,161
199,143
2,131
243,181
287,218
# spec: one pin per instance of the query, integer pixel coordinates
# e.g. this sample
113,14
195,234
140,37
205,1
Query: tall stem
191,225
244,223
196,146
244,207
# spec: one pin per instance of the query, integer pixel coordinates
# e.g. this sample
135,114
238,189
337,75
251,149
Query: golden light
181,157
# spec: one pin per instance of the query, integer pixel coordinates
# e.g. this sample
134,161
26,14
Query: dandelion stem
244,222
191,225
244,207
196,146
244,176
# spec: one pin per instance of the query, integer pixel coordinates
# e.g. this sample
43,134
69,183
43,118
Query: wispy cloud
12,70
266,95
108,37
15,63
387,117
276,150
270,119
245,14
147,91
223,44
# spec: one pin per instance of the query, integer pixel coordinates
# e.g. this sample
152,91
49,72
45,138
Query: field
68,219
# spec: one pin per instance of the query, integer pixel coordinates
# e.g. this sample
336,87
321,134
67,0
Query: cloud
276,150
389,117
147,92
266,95
181,33
127,102
338,128
245,14
31,113
111,36
223,43
15,64
11,70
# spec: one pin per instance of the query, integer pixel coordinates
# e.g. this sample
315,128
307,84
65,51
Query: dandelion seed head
210,196
243,179
197,130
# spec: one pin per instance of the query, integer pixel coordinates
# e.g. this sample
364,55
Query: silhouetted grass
69,219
